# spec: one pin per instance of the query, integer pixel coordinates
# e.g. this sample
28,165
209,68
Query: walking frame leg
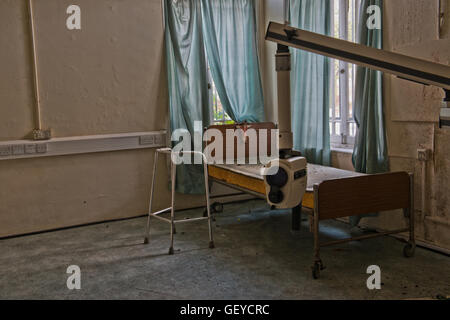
150,209
208,205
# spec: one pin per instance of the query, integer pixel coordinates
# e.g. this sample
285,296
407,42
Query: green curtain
187,80
370,152
310,82
230,34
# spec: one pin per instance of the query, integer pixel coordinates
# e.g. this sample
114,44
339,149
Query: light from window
219,114
342,122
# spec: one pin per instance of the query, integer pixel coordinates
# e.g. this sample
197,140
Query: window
342,122
219,116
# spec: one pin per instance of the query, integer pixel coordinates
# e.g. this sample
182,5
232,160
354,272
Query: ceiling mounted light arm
402,66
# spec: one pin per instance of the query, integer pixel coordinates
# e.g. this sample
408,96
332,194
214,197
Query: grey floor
256,257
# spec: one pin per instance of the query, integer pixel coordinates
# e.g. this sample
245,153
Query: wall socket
152,140
147,140
5,151
23,149
18,149
41,148
423,154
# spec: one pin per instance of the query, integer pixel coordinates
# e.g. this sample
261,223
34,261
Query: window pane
219,114
337,96
336,18
350,91
352,129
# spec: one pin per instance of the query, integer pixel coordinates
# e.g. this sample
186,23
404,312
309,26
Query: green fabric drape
230,35
370,152
310,82
187,80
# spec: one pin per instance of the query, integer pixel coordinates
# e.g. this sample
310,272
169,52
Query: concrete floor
256,257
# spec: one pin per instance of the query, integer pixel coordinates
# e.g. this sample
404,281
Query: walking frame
172,221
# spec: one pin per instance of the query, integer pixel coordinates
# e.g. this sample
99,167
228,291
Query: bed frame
339,198
332,194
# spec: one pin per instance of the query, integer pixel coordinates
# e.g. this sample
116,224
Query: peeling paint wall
412,111
108,77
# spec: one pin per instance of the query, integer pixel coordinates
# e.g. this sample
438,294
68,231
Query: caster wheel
211,245
316,268
409,250
316,271
217,207
171,251
146,241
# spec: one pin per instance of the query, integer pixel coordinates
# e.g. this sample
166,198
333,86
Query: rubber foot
146,241
211,245
171,251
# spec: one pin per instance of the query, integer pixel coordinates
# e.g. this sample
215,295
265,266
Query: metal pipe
369,236
162,219
150,206
286,12
38,124
411,211
424,188
191,220
283,68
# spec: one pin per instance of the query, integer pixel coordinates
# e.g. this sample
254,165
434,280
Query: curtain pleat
187,81
230,34
370,152
310,82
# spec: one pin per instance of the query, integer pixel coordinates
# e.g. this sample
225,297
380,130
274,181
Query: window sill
348,149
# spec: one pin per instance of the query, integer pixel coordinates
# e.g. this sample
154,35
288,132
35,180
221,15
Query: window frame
346,94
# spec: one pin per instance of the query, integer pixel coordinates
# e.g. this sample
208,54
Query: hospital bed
333,193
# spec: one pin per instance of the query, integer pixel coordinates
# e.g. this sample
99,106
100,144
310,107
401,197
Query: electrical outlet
423,154
30,148
147,140
159,140
41,148
42,134
5,151
18,149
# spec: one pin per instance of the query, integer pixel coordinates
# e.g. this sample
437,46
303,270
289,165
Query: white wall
110,77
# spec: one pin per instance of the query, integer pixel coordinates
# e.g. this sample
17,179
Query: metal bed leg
208,206
410,248
147,231
318,265
297,218
172,211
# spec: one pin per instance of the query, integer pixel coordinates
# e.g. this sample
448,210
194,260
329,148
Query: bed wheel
216,207
408,250
316,268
